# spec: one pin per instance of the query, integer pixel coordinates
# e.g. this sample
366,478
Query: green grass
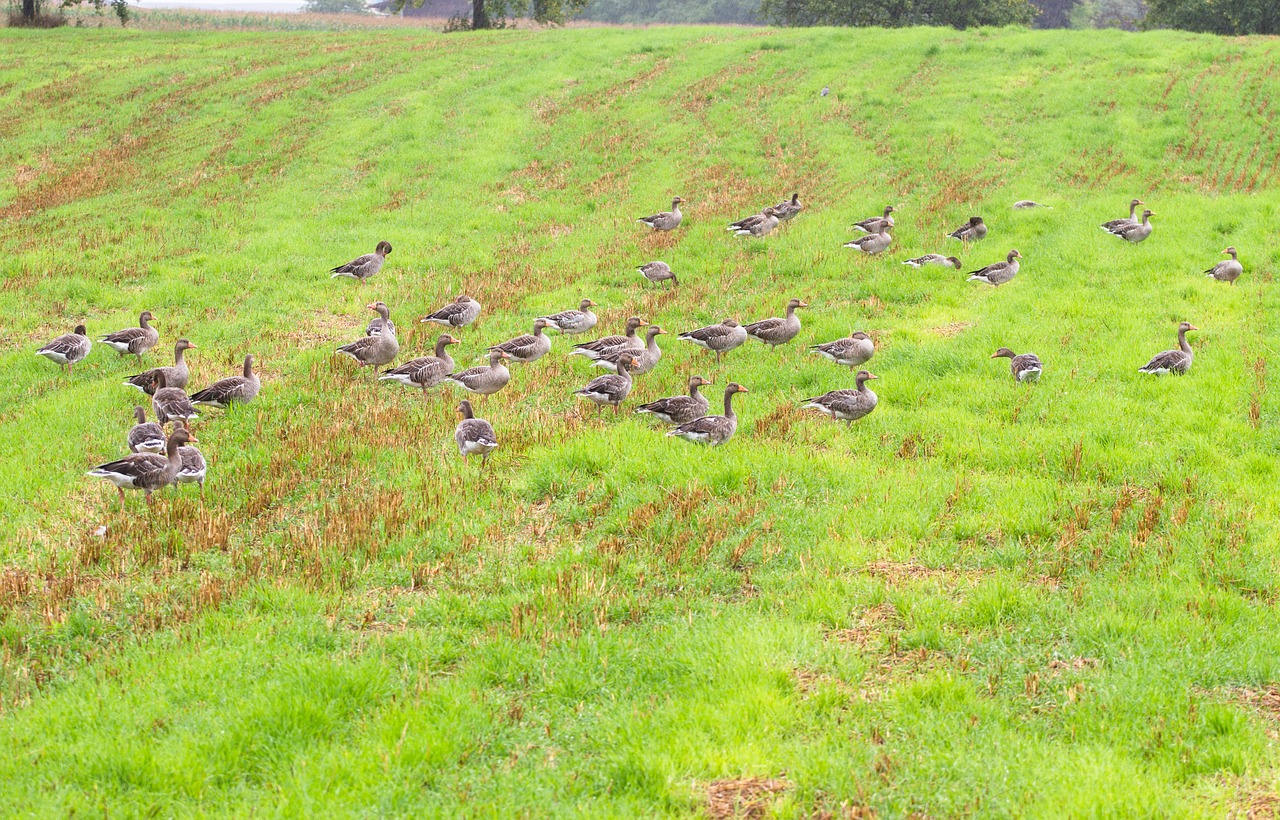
983,598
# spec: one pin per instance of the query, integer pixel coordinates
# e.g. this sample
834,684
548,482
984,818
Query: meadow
984,599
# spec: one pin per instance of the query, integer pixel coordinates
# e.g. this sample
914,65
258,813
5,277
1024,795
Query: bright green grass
984,598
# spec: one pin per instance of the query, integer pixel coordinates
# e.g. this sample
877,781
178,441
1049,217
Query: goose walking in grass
1027,204
611,388
719,339
646,359
875,223
373,351
998,273
145,436
363,267
1177,362
484,380
713,430
573,321
475,437
1228,270
680,409
1113,225
172,404
1137,231
971,231
146,471
193,467
847,405
380,322
788,209
667,220
459,313
240,389
175,376
657,272
610,344
758,225
778,331
134,340
424,372
529,347
1026,367
933,259
874,243
855,349
68,348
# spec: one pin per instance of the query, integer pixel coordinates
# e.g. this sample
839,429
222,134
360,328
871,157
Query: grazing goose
134,340
1026,367
873,243
774,332
460,312
573,321
425,371
933,259
971,231
713,430
646,359
1177,361
874,224
175,376
382,320
172,404
611,388
788,209
667,220
363,267
474,436
758,225
527,348
68,348
609,344
193,467
1027,204
680,409
1113,225
857,348
236,389
847,405
146,471
998,273
373,351
145,436
484,380
1228,270
719,339
657,272
1137,231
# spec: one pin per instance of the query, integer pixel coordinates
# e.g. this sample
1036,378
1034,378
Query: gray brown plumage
1137,231
713,430
425,371
240,389
610,344
529,347
658,272
460,312
175,376
145,436
847,405
1112,225
474,436
680,409
193,469
873,243
486,379
998,273
646,360
875,223
778,331
855,349
363,267
68,348
172,404
573,321
1177,362
611,388
756,225
667,220
134,340
789,209
933,259
380,322
1026,367
1027,204
146,471
1228,270
971,231
376,350
719,338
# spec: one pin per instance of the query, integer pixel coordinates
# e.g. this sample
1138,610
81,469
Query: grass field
983,599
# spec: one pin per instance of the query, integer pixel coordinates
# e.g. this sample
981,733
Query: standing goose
972,231
657,272
680,409
719,339
1137,231
373,351
134,340
767,220
146,471
1026,367
873,243
425,371
998,273
145,436
381,321
175,376
646,359
847,405
573,321
610,344
1113,225
713,430
68,348
1177,361
460,312
193,467
1228,270
874,224
484,380
857,348
172,404
774,332
667,220
236,389
611,388
363,267
788,209
530,347
933,259
474,436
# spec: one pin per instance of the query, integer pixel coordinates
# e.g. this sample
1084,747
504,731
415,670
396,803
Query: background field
983,599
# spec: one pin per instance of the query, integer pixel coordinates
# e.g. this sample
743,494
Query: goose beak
994,356
1193,327
803,304
643,323
743,390
191,346
661,332
191,439
872,376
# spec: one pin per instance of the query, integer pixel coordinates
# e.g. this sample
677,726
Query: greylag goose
146,471
134,340
425,371
1177,361
1027,204
873,243
646,359
788,209
175,376
373,351
363,267
774,332
172,404
857,348
758,225
1113,225
573,321
484,380
382,320
713,430
1026,367
1137,231
719,339
971,231
657,272
998,273
680,409
68,348
529,347
847,405
460,312
240,389
933,259
193,467
667,220
474,436
145,436
874,224
1228,270
610,344
611,388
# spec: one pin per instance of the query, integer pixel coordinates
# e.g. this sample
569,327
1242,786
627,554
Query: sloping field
983,599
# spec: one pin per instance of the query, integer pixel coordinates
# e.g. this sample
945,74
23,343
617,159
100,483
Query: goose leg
121,491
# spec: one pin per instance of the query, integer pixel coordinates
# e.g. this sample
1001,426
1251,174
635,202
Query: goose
425,371
146,471
175,376
484,380
998,273
530,347
847,405
713,430
382,320
460,312
611,388
719,339
134,340
873,243
172,404
373,351
646,359
971,231
657,272
667,220
760,224
68,348
1177,361
236,389
363,267
1026,367
933,259
855,349
1114,224
145,436
680,409
774,332
873,224
193,467
609,344
1228,270
1027,204
1137,231
573,321
474,436
788,209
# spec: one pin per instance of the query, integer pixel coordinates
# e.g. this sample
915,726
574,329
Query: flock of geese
158,459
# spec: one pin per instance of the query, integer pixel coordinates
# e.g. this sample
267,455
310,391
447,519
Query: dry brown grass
747,797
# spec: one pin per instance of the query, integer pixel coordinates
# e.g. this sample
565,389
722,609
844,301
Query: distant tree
672,11
336,6
892,13
1053,13
1216,16
494,13
1122,14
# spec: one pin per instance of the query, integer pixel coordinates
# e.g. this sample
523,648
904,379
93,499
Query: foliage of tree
1216,16
1054,13
1122,14
672,11
336,6
495,13
892,13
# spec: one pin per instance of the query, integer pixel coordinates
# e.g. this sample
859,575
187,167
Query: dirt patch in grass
871,625
950,331
745,797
